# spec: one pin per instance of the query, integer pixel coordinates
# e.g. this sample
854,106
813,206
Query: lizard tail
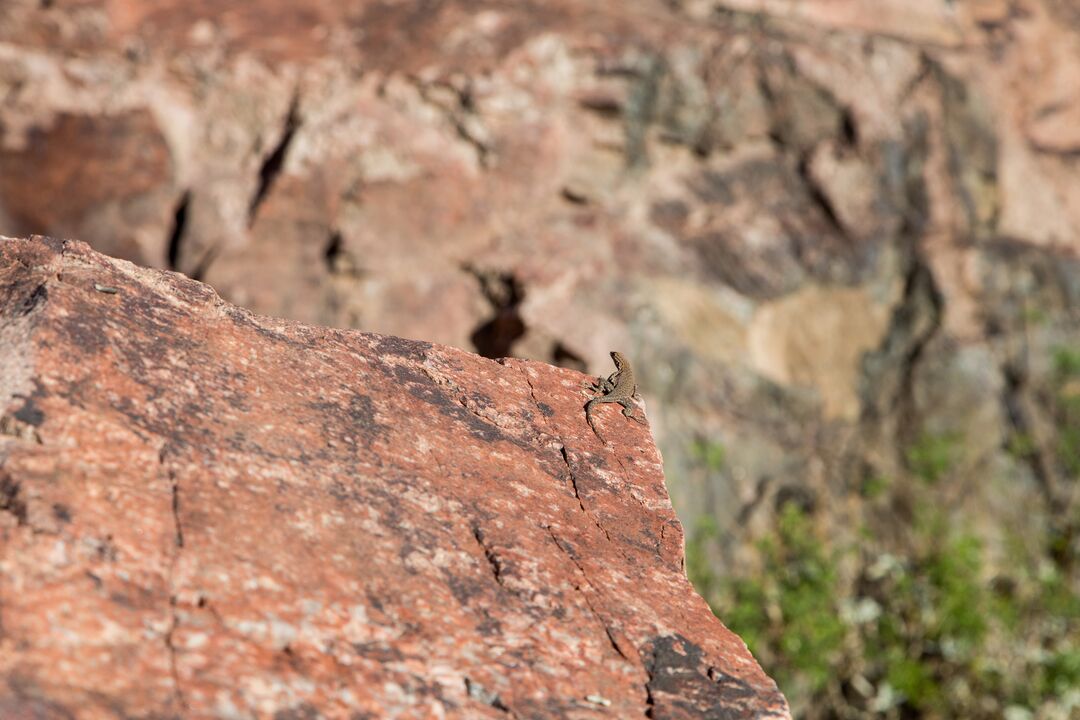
588,418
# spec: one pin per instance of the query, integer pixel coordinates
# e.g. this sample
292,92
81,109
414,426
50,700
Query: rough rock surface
207,513
735,192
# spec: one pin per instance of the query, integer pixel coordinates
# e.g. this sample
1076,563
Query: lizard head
618,359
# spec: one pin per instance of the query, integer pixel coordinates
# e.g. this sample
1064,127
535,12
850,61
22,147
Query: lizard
619,387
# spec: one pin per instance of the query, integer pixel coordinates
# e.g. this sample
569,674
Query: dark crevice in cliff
1022,435
889,374
456,102
747,509
921,310
337,259
819,199
567,358
199,271
495,338
924,305
641,108
971,154
849,128
333,252
176,234
275,160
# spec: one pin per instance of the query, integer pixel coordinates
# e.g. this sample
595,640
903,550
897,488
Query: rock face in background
205,513
837,237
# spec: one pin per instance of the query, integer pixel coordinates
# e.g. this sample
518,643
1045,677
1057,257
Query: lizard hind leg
627,408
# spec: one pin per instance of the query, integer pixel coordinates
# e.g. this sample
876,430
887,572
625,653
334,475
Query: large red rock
207,513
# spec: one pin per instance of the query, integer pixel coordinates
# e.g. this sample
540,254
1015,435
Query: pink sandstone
208,513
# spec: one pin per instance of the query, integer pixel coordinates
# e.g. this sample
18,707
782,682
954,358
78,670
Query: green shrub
933,456
925,632
1067,373
789,613
710,454
1066,362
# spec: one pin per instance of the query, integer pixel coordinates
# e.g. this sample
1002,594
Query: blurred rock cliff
838,238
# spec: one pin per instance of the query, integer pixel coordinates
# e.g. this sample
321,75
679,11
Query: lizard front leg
603,385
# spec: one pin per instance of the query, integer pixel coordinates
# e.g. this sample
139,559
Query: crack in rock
577,495
608,632
174,617
489,553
